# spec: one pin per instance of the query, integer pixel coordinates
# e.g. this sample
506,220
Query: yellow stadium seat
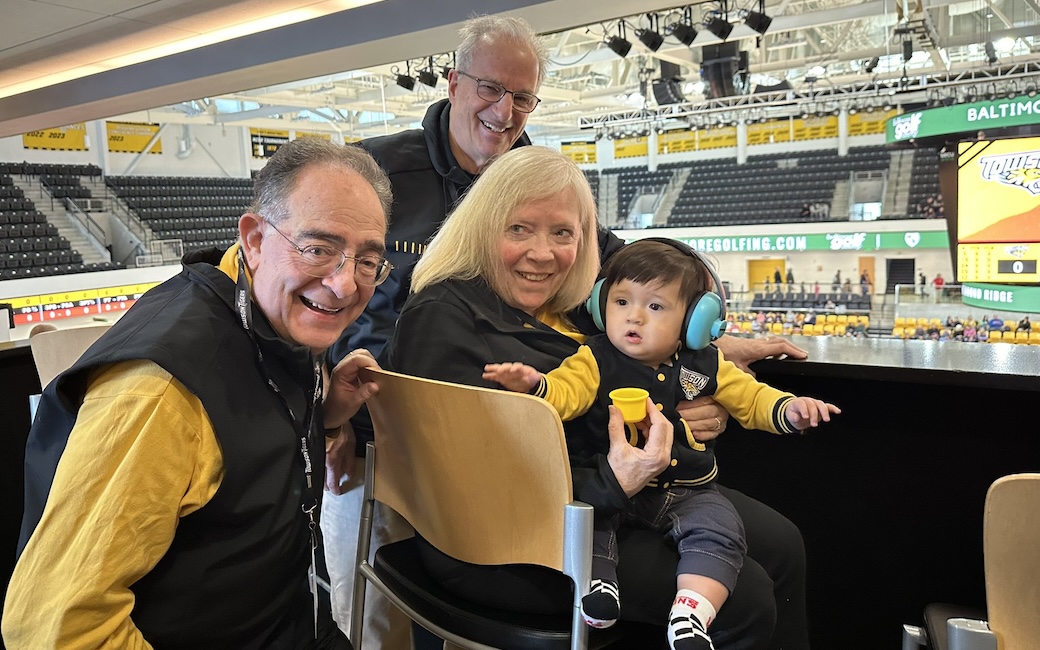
843,319
864,321
900,321
935,321
839,329
1021,337
808,329
1034,338
831,318
745,326
910,322
828,329
899,331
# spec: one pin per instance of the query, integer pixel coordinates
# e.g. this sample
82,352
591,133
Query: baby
658,309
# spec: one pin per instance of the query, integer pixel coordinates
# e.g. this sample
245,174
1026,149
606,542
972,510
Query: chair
1011,535
433,462
55,351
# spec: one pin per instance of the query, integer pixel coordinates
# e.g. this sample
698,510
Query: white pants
385,626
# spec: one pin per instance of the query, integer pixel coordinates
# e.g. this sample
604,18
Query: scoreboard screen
1000,263
998,206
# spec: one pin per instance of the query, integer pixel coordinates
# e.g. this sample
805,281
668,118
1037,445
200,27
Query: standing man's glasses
492,92
322,261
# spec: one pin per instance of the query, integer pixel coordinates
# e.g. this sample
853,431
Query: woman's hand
634,467
705,417
743,351
346,392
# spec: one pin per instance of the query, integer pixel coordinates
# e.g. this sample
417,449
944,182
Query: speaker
719,65
667,91
705,318
908,50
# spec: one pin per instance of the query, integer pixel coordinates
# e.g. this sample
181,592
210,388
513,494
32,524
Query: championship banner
869,123
717,138
769,132
631,147
676,142
816,128
132,137
266,141
327,137
579,152
64,138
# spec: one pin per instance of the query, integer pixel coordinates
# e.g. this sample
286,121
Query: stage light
872,65
1031,90
756,21
406,80
619,46
719,27
685,33
650,38
428,78
991,53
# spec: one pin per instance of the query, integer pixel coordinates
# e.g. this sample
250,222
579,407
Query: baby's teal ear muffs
705,319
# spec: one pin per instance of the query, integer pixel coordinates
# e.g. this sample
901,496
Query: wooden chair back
482,474
1011,542
56,351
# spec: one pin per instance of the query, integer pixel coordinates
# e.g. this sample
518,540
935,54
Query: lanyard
243,304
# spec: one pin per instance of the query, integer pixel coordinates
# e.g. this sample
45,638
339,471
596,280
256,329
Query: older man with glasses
500,65
173,472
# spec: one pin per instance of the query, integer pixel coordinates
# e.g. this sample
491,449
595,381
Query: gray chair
1011,546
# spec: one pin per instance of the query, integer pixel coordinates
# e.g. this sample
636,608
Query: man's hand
743,352
346,391
705,417
634,467
339,458
515,376
805,412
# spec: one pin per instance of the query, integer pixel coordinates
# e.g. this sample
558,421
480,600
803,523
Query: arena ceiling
332,65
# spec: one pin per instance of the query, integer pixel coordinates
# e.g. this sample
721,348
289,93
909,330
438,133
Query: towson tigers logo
691,382
1020,169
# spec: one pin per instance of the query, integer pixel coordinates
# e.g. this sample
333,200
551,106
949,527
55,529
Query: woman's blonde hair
467,244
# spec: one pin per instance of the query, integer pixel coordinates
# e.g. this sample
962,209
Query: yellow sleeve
571,388
754,404
142,454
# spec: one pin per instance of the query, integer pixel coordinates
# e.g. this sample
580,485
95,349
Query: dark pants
765,611
701,522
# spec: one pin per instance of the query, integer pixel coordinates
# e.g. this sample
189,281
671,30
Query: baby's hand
805,412
515,376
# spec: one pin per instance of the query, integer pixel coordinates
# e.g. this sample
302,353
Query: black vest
235,574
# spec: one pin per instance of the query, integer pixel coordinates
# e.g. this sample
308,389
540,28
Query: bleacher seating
767,189
778,300
634,181
29,245
199,211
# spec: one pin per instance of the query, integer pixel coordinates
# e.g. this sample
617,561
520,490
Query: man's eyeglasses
322,261
492,92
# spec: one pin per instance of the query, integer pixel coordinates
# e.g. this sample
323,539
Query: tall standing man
173,472
500,66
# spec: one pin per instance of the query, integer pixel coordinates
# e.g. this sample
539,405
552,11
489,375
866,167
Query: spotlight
756,21
991,53
872,65
949,101
719,27
406,82
619,46
650,38
685,33
1031,90
428,78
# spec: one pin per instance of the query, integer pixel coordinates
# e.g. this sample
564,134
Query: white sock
688,621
